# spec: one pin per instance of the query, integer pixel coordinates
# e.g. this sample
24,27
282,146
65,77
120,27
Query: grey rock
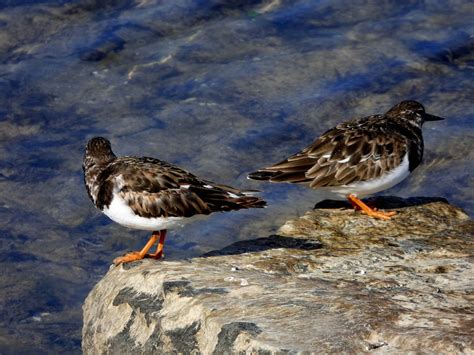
332,280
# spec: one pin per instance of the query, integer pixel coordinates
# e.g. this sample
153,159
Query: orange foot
156,256
372,212
129,257
139,255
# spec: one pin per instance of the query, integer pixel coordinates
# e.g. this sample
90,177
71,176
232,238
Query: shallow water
220,88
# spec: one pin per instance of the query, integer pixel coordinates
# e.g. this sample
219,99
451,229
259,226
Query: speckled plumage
154,188
357,151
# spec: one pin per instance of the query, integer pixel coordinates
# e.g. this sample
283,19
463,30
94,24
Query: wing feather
342,155
154,188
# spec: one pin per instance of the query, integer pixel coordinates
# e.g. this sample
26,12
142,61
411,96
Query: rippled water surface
218,87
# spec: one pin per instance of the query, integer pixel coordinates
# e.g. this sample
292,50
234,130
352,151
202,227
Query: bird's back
354,151
153,188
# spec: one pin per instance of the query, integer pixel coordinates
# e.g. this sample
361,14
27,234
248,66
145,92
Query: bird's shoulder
147,174
357,136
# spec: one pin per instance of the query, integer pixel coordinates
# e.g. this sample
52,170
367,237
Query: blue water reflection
220,88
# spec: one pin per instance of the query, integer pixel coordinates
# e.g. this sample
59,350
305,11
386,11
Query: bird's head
411,111
98,151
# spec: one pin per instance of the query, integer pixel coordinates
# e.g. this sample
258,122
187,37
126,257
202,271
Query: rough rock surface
332,280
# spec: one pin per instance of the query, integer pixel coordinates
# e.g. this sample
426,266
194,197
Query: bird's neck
411,129
92,169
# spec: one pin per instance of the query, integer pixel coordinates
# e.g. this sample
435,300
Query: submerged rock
332,280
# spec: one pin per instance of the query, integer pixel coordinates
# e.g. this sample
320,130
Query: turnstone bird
359,157
150,194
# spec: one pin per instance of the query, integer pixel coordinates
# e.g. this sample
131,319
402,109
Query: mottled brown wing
343,155
166,203
153,188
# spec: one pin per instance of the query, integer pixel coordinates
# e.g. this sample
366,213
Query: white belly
120,212
365,188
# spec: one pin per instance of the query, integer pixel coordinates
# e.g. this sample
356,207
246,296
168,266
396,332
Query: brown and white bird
359,157
150,194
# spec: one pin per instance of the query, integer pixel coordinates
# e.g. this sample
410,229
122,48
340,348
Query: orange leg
159,249
372,212
139,255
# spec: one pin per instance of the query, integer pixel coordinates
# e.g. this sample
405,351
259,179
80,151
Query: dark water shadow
274,241
382,202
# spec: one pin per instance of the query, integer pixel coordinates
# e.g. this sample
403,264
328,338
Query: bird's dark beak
428,117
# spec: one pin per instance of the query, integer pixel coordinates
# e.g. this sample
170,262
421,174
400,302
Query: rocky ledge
332,280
